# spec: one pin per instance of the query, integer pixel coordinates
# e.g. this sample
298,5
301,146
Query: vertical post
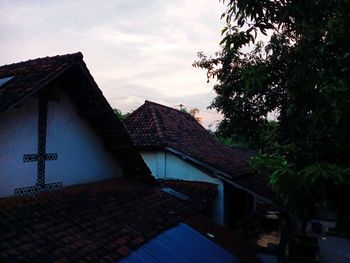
42,124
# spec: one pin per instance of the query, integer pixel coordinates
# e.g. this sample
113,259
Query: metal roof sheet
180,244
4,80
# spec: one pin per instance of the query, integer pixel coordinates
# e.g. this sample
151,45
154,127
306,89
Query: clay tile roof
69,72
155,126
201,191
99,222
30,75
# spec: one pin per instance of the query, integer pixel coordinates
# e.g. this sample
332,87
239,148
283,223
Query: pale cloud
135,49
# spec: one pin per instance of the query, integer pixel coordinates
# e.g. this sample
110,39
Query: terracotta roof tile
201,191
70,73
29,75
100,222
180,131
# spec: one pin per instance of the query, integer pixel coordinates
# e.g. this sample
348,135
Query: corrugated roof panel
180,244
4,80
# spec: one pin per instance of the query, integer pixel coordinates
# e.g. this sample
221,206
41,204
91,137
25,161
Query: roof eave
221,175
39,86
150,147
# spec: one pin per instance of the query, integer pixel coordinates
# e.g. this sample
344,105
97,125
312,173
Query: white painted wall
165,165
81,155
156,162
18,136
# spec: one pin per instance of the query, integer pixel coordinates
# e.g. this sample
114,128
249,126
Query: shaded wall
81,154
165,165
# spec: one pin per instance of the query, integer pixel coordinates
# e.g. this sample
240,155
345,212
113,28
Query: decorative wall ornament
41,157
32,190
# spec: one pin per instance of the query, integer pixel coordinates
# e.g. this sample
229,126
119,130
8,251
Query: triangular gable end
41,78
184,137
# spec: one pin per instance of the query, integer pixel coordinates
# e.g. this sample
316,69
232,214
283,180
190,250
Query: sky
136,50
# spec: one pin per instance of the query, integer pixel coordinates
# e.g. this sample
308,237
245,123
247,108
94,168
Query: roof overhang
38,86
225,177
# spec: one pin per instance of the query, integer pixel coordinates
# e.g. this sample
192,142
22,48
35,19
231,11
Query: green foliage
228,141
193,112
302,73
121,116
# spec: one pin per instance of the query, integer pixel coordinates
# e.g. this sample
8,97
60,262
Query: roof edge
164,106
155,120
219,174
42,83
78,55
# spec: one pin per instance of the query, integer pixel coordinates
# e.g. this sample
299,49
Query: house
74,189
175,146
57,129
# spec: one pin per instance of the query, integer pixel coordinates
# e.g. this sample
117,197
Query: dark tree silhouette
301,73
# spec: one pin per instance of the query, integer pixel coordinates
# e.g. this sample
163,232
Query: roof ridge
178,112
155,120
77,55
68,60
164,106
134,112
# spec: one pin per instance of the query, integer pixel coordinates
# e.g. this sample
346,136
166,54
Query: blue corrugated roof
180,244
4,80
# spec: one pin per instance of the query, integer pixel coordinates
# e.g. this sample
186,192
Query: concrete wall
81,155
165,165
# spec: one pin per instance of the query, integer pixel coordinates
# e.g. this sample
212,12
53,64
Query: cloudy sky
135,49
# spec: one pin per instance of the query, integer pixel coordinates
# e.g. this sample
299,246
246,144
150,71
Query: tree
301,72
193,112
121,116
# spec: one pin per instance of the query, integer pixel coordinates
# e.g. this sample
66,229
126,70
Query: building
56,128
74,189
175,146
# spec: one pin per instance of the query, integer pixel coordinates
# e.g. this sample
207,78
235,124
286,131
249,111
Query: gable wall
18,136
165,165
81,155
